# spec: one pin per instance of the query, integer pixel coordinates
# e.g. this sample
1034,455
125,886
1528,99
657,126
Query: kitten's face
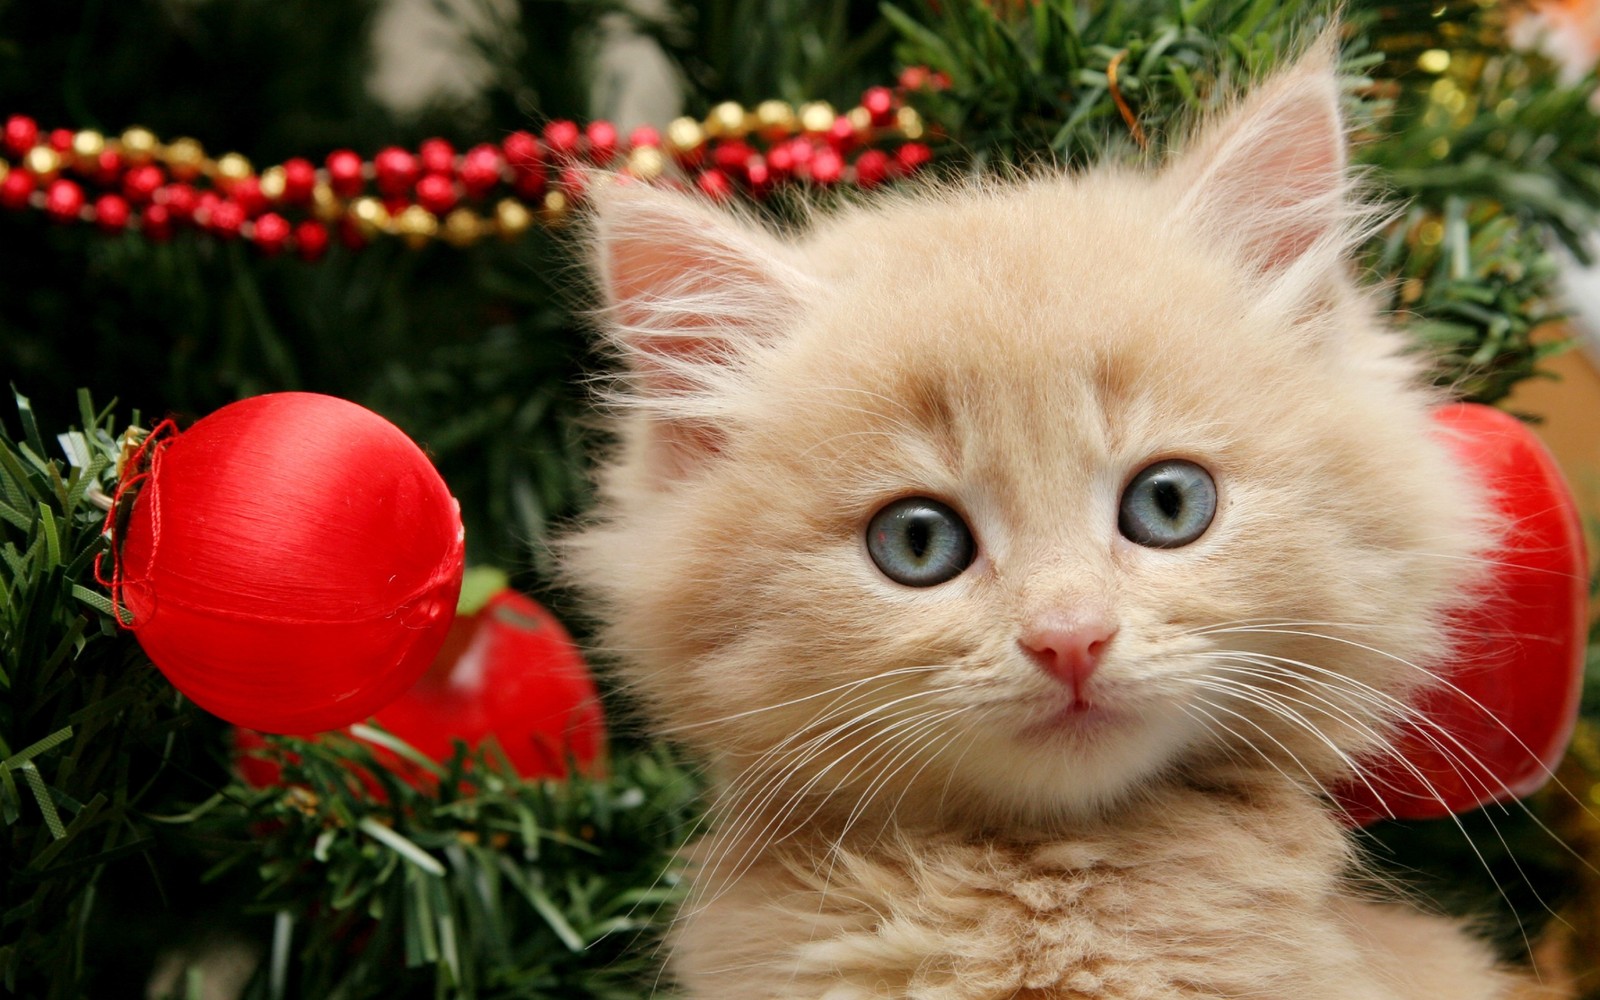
879,535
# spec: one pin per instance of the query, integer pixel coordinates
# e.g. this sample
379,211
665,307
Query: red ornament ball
292,562
1498,725
509,671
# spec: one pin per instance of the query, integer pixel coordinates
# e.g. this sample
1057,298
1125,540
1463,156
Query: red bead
107,168
523,153
575,183
61,140
480,169
437,156
299,179
879,102
140,183
562,138
15,189
272,232
732,157
780,161
21,134
758,175
395,171
912,155
602,137
827,166
226,218
872,168
63,199
841,134
247,192
914,77
111,212
156,222
436,193
344,173
204,203
310,239
530,184
644,135
715,184
181,201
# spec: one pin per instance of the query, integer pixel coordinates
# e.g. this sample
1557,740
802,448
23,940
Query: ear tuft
688,292
1273,174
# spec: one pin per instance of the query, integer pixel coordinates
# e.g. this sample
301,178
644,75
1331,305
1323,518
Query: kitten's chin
1077,759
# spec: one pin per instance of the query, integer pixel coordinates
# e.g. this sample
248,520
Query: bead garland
140,183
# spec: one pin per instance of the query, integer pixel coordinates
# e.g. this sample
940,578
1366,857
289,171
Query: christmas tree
139,853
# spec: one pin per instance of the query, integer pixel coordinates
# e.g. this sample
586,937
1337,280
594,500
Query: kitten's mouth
1075,716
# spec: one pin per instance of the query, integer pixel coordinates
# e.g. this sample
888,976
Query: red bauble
509,671
292,562
1499,725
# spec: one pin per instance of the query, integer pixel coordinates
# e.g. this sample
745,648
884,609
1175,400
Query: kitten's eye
1167,505
920,542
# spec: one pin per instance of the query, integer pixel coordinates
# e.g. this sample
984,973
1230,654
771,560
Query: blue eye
920,542
1168,505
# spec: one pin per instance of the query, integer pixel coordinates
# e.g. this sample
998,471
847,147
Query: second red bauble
1500,719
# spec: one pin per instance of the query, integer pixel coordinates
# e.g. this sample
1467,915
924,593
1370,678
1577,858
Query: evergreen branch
474,881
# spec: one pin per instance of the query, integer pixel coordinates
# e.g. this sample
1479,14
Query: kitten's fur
895,814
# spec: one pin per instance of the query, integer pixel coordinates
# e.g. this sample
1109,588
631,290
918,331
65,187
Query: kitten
1025,560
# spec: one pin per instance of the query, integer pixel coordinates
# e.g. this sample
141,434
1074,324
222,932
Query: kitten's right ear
688,292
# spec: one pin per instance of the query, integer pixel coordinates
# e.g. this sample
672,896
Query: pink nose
1068,651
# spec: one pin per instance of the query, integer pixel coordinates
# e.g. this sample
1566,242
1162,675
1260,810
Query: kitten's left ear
1272,174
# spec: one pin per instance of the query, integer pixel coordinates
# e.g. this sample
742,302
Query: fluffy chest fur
1199,895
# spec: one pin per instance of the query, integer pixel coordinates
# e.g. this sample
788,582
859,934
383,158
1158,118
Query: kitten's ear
1272,174
688,291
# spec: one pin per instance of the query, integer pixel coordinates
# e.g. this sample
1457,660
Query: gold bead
87,146
5,168
460,228
909,122
185,157
684,135
325,205
817,116
860,119
273,180
416,225
727,120
1434,61
370,216
775,118
42,162
554,209
232,168
512,217
646,162
138,145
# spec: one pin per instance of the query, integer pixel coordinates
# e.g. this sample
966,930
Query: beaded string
137,182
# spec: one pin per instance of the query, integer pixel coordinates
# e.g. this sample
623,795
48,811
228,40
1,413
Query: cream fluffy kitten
1024,560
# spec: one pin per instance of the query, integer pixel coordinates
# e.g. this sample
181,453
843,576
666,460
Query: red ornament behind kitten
1025,560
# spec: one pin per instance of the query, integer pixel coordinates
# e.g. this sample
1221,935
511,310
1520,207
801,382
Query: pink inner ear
1272,174
686,289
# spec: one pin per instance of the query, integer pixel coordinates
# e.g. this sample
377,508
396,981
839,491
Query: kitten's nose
1069,650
